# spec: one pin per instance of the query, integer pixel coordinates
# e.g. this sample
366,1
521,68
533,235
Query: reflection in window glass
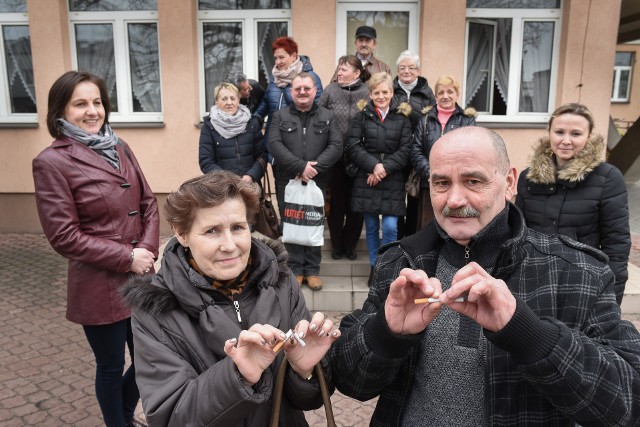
537,48
17,47
13,6
94,47
392,27
112,5
243,4
267,33
623,58
514,4
145,67
222,53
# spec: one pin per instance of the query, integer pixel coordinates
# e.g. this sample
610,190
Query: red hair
286,43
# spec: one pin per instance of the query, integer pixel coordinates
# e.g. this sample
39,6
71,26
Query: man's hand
403,315
489,301
309,172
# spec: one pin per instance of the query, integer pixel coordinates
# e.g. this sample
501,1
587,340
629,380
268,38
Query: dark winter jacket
586,200
239,154
429,131
276,98
94,215
293,143
180,325
372,141
421,97
565,357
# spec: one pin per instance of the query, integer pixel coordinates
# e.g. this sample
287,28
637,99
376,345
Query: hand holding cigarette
402,314
309,342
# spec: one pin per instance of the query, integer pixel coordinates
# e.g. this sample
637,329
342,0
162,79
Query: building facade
516,59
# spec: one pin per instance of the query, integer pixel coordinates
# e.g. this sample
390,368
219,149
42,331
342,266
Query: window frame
343,7
519,17
6,116
249,19
120,20
617,71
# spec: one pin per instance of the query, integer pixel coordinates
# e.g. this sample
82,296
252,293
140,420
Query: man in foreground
537,339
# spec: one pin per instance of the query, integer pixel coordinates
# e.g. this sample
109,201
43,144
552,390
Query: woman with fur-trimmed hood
444,117
568,189
379,143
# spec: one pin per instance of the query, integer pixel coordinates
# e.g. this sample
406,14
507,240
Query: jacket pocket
288,127
321,127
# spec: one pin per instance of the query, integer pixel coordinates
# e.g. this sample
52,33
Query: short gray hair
236,78
407,54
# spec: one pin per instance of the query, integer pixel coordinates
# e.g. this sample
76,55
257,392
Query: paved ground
46,366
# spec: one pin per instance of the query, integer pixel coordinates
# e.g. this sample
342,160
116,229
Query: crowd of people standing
476,290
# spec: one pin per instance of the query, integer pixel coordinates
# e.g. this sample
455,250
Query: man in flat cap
365,46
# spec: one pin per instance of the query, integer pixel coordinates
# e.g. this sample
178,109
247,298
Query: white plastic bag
303,214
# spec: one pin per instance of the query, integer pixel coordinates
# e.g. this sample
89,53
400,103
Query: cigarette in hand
288,335
432,300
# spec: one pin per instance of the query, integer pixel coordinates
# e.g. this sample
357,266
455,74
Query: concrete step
339,293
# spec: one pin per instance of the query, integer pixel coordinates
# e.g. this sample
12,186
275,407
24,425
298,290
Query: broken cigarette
288,335
432,300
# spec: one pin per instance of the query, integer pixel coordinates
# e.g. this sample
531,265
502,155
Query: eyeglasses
409,68
303,89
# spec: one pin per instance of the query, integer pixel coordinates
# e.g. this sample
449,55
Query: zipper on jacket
466,255
236,305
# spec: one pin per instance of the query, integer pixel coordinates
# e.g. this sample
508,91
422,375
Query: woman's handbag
412,186
277,394
267,222
303,213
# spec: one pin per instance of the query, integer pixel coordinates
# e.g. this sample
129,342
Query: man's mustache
463,212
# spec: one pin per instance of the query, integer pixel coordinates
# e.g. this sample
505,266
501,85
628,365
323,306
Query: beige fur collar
542,164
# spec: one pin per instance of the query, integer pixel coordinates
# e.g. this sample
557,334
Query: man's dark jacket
565,357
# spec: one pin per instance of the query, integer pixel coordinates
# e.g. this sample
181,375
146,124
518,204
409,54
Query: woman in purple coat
98,211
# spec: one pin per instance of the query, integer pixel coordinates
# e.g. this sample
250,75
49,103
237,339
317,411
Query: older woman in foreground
209,325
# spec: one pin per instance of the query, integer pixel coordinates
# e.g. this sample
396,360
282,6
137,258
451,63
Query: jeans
389,232
117,394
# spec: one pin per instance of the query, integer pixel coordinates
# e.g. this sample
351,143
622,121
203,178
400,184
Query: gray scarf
283,78
227,125
104,143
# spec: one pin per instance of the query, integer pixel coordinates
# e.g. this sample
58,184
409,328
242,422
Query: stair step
339,293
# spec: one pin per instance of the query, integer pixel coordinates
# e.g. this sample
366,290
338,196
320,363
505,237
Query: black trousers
345,226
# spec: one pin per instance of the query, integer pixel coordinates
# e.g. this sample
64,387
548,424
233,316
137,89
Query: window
395,23
118,41
622,77
511,59
237,36
17,91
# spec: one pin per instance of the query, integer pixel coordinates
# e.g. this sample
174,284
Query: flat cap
366,31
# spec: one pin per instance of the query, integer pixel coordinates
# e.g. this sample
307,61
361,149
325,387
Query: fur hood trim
404,107
543,168
140,292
